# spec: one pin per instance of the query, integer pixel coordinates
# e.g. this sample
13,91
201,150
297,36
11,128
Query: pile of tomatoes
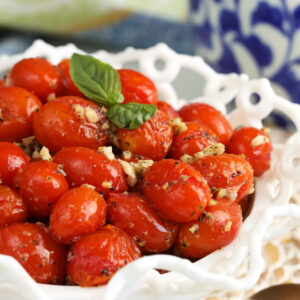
81,198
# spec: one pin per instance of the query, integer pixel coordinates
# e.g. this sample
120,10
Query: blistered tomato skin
70,88
209,116
177,190
63,123
193,140
255,144
34,248
94,259
38,76
12,158
78,212
17,107
153,139
84,165
168,109
136,87
133,214
40,184
229,176
12,207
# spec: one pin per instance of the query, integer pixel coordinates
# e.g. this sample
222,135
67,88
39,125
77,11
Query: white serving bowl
235,267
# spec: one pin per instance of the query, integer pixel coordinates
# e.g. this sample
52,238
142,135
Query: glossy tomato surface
40,184
208,115
133,214
177,190
34,248
84,165
17,107
255,144
167,109
136,87
12,207
12,158
192,140
216,228
63,123
95,258
70,89
78,212
38,76
229,176
153,139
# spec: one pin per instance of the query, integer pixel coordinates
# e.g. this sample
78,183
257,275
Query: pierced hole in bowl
160,64
221,89
255,98
134,65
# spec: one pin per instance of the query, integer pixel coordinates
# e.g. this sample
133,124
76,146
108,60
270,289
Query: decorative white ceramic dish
235,267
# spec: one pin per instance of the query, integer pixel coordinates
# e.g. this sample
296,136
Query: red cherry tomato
78,212
136,87
255,144
17,107
84,165
63,122
216,228
70,88
177,190
229,176
2,82
38,76
167,109
12,158
209,116
133,214
34,248
192,140
12,207
40,184
95,258
153,139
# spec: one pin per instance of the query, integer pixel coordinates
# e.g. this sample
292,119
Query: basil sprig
100,82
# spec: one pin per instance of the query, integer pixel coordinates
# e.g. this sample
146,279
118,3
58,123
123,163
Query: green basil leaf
98,81
131,115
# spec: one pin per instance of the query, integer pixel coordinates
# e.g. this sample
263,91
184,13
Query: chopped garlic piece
214,149
89,186
142,165
221,193
227,226
186,158
45,154
165,186
259,140
210,215
60,170
105,125
231,194
28,141
251,191
184,177
107,184
127,154
212,202
79,110
266,130
178,125
91,115
107,151
51,97
129,171
194,228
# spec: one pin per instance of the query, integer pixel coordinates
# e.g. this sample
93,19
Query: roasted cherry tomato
229,176
38,76
177,190
78,212
133,214
40,184
95,258
84,165
17,107
12,158
168,109
34,248
2,82
255,144
216,228
12,207
153,139
70,121
209,116
195,138
136,87
70,88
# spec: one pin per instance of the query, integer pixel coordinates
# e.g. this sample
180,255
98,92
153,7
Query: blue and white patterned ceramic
257,37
